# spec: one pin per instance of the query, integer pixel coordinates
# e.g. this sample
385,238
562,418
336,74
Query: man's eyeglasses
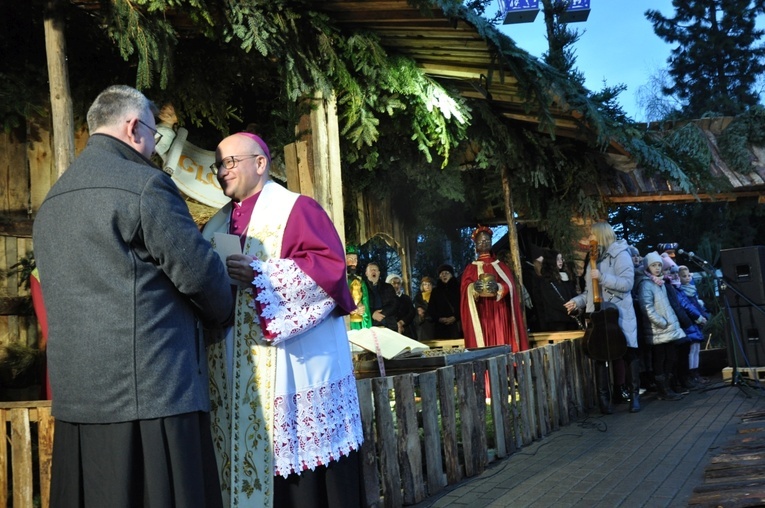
157,134
231,161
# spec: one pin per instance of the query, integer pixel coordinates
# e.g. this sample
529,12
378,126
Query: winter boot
647,381
698,378
621,395
676,386
633,379
664,391
604,396
689,383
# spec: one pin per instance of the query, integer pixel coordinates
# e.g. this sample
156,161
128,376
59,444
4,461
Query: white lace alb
316,426
291,301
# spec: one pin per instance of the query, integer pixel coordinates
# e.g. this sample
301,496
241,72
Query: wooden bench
538,339
444,343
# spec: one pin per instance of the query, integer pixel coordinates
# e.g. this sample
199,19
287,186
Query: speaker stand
736,379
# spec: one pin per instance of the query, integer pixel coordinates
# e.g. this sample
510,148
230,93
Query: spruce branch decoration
745,130
149,38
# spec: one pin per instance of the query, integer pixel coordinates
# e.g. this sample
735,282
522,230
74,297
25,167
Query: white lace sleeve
291,301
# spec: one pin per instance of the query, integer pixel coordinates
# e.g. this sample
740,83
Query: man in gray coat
128,284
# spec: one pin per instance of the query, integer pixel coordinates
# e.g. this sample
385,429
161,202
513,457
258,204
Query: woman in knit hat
405,312
444,307
659,323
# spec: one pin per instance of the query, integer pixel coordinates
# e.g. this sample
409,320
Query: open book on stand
392,345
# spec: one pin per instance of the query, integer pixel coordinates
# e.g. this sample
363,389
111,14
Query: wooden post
512,236
512,231
58,78
313,163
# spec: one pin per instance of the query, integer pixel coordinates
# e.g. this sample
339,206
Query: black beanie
445,267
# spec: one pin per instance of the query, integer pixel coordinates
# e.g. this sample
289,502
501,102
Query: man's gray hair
114,104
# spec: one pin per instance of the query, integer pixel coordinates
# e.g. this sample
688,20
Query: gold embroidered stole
242,402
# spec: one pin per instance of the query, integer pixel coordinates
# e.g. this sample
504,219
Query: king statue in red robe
490,301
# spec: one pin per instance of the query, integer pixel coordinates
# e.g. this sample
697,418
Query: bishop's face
249,167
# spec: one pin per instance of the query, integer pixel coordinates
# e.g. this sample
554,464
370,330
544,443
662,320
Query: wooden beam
58,78
686,198
17,225
16,306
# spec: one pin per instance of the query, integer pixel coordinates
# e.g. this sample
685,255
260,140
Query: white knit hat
651,258
392,276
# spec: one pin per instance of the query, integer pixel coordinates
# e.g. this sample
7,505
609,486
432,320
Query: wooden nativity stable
447,42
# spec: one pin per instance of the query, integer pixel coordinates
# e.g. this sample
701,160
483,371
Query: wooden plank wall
26,175
15,202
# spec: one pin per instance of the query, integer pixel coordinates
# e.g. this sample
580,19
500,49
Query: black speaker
744,271
746,347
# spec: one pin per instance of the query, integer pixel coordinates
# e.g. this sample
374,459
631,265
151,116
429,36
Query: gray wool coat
127,281
658,323
617,276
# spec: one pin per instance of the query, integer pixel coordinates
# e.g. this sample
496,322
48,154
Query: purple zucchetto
259,141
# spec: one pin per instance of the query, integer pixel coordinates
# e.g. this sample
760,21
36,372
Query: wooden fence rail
428,430
422,431
29,443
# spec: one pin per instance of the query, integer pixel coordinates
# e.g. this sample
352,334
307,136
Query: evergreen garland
745,130
398,125
150,37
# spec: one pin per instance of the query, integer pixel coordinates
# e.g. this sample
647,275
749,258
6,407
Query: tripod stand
735,343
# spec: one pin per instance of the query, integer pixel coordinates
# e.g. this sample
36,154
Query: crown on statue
481,229
351,249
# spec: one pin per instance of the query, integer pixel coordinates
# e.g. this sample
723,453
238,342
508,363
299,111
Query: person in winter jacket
659,323
689,316
615,276
687,290
444,305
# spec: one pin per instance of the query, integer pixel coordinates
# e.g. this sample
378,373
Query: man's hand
239,269
378,316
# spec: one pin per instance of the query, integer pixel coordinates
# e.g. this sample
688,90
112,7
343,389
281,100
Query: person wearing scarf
688,288
423,322
688,315
286,419
658,323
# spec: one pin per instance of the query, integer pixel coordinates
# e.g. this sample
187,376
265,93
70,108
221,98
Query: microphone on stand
693,257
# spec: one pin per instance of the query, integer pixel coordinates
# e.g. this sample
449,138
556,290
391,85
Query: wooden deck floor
736,477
